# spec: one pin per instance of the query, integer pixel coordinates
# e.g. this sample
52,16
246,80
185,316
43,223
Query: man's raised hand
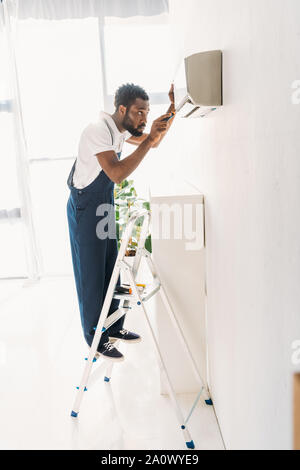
158,127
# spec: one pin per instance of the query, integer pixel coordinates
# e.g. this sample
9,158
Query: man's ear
122,110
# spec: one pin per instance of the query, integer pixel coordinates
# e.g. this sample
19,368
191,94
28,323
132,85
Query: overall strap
110,131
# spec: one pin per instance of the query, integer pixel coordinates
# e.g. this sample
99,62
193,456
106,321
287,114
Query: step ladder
138,299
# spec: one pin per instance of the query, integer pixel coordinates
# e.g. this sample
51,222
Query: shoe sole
113,359
113,340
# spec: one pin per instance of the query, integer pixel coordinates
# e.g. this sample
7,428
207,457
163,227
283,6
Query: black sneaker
125,335
108,351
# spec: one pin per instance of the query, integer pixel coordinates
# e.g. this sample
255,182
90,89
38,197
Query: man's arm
117,170
134,140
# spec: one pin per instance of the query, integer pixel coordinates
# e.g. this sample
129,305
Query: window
136,53
60,83
59,71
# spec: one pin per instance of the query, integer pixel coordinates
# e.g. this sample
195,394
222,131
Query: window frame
108,100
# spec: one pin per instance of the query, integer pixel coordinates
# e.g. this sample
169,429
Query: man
91,182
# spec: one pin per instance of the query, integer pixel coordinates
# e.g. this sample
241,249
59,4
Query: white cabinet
178,253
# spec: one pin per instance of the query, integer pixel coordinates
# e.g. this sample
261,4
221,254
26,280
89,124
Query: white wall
180,263
245,159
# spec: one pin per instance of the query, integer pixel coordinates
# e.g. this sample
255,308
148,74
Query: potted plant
126,202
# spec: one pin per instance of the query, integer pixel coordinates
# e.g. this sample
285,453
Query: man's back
97,137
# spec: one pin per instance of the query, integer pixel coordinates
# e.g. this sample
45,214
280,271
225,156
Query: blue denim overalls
93,258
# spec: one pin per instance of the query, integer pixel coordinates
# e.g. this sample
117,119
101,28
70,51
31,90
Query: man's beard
135,131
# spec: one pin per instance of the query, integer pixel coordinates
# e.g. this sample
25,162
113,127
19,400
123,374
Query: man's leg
92,268
111,256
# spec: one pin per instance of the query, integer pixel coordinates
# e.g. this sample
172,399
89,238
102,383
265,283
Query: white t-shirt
97,137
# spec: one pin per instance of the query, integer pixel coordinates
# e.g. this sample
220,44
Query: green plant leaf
127,202
148,244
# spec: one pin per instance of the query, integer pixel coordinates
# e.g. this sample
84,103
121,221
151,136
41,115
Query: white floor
41,360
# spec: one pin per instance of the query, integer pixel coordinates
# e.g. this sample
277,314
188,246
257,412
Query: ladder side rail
96,373
172,393
97,336
143,235
108,372
151,265
105,308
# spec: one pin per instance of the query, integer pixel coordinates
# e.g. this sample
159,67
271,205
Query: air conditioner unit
198,84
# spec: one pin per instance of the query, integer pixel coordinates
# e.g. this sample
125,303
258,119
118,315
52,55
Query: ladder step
153,288
124,296
114,317
146,295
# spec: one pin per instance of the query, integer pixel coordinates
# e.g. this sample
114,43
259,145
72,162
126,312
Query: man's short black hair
128,93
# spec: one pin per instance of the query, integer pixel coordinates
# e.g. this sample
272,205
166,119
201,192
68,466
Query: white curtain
67,9
22,167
